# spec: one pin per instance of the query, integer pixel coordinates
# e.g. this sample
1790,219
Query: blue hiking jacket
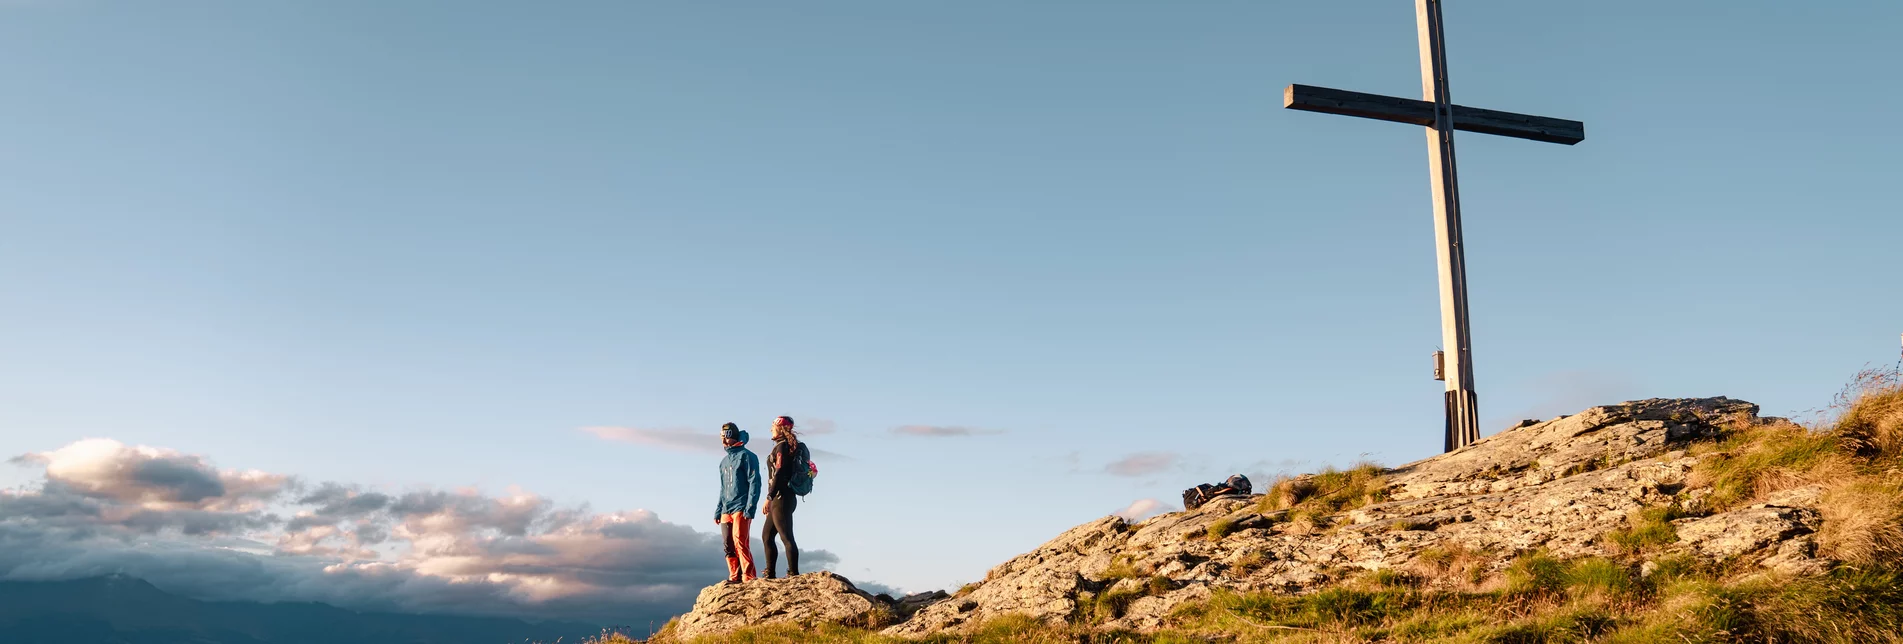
739,481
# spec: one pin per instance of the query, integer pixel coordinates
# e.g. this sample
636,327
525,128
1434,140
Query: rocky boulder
1537,453
820,597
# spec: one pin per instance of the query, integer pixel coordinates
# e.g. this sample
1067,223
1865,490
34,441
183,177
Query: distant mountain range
117,609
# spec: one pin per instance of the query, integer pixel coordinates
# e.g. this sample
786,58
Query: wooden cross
1441,117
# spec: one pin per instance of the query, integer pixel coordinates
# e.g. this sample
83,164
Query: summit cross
1441,117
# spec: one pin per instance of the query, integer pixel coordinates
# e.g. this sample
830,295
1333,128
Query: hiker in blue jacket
739,497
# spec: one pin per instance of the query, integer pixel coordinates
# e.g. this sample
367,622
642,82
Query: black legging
779,521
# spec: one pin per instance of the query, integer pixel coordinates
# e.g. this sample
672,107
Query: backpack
1195,497
801,481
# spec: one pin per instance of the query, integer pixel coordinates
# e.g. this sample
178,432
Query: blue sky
426,244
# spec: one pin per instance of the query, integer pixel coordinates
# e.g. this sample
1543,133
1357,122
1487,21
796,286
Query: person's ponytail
783,430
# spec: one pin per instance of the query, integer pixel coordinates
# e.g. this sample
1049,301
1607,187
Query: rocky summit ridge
1559,486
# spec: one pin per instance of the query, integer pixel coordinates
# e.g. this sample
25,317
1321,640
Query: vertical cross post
1463,424
1441,117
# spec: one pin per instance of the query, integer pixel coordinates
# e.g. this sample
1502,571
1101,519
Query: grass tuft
1393,578
1111,604
1536,574
1601,578
1219,529
1329,492
1759,460
1647,530
1121,567
1249,562
1871,421
1863,521
1159,585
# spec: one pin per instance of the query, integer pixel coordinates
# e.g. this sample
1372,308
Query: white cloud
1143,509
678,439
942,431
153,478
173,519
1142,464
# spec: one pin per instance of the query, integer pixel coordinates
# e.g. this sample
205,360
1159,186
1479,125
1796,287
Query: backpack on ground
1195,497
801,481
1236,485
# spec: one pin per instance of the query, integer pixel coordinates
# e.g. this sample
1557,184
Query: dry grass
1854,453
1285,492
1328,492
1121,567
1863,521
1453,567
1870,414
1647,530
1755,461
1248,563
1109,605
1219,529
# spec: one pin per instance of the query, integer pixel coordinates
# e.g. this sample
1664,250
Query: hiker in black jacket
788,456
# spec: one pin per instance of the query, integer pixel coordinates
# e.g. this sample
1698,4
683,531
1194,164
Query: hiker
1237,485
739,496
786,465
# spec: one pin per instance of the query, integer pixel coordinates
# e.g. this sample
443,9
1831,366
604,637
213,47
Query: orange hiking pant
736,534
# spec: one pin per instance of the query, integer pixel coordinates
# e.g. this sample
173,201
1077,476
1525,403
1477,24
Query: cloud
877,588
816,426
694,441
942,431
820,454
151,477
1142,463
1143,509
175,520
678,439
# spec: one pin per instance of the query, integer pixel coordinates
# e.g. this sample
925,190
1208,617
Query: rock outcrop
1558,485
805,599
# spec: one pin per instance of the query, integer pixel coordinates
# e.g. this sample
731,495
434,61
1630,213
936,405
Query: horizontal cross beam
1406,110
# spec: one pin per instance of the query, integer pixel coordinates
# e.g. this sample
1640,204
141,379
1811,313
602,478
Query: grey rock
806,599
1797,557
911,604
1729,534
1593,439
1808,496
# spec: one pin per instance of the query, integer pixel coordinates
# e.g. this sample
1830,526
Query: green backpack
801,481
